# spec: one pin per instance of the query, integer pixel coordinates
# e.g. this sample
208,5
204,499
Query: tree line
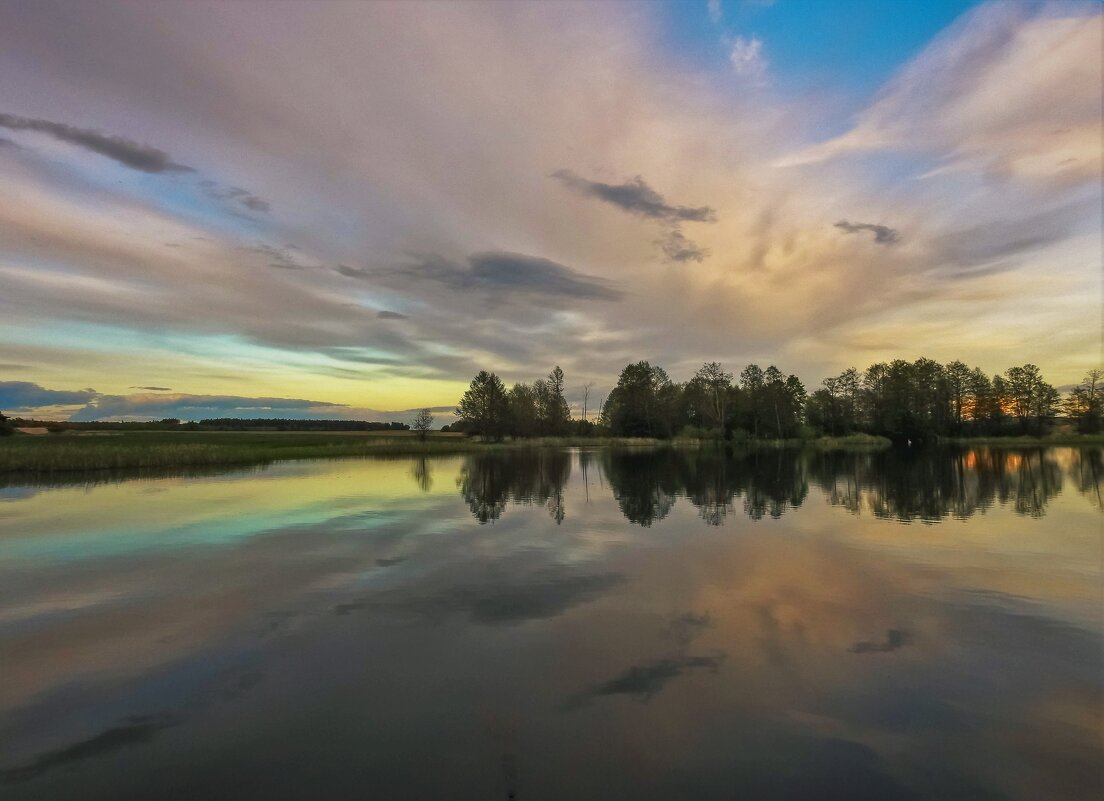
900,399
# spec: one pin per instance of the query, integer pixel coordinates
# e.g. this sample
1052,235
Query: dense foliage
526,410
902,400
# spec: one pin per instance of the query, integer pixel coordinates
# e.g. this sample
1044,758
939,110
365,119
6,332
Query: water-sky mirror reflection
560,624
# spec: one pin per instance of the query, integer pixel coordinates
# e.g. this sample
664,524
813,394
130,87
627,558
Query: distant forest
212,424
901,400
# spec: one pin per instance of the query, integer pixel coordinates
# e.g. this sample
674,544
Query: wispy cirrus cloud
993,93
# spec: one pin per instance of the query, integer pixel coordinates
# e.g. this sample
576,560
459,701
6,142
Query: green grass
146,450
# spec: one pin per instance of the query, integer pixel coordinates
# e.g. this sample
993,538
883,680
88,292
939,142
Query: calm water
560,625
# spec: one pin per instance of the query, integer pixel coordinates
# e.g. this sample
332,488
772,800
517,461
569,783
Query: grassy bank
151,450
848,442
141,450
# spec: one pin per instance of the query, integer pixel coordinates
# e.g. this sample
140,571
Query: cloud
689,626
280,258
125,151
895,638
677,247
130,731
643,682
713,8
495,272
197,407
384,314
453,158
25,395
235,194
883,234
998,241
1010,89
506,601
31,399
746,57
635,197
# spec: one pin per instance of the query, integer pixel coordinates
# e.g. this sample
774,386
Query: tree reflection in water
488,482
924,485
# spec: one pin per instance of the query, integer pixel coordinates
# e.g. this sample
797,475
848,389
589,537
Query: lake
561,625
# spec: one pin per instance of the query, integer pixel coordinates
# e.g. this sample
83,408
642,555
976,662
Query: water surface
560,625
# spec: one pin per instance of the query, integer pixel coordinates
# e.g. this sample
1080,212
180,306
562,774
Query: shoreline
93,452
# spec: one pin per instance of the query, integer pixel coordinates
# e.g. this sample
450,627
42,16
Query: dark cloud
234,194
155,389
383,314
8,143
125,151
678,248
538,600
643,682
997,242
280,258
635,197
501,602
354,272
895,638
688,626
883,234
496,271
130,731
25,395
14,366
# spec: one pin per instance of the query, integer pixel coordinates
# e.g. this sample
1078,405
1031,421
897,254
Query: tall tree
1031,399
709,389
958,382
482,409
752,382
1085,404
641,403
524,416
555,412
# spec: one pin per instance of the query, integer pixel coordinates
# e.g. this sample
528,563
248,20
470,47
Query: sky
330,209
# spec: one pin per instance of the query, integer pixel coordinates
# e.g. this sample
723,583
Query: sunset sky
335,209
